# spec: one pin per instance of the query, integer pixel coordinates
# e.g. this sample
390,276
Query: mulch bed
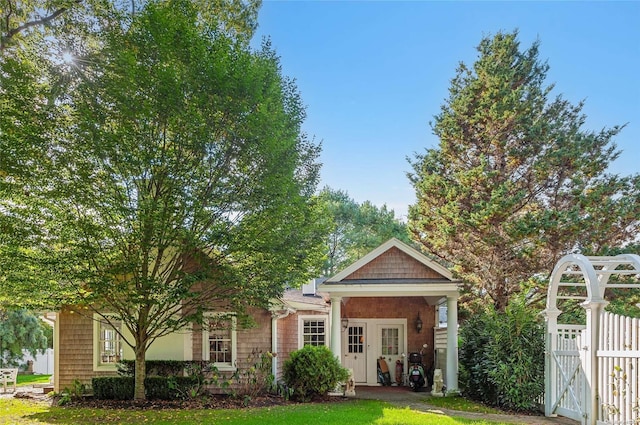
204,402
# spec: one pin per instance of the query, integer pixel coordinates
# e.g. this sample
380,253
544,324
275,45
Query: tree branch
26,25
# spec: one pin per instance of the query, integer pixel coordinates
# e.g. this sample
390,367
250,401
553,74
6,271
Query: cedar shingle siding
394,264
76,345
75,349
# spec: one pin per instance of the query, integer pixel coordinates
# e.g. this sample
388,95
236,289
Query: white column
550,367
274,345
452,344
336,337
589,358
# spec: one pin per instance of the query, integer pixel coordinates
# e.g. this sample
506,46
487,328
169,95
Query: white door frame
372,345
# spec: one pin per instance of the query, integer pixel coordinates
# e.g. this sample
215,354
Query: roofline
297,305
393,242
395,290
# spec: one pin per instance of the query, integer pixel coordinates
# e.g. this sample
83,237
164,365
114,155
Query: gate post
550,373
589,357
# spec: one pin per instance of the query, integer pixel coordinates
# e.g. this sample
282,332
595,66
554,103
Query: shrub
156,387
255,379
313,371
113,388
155,367
502,358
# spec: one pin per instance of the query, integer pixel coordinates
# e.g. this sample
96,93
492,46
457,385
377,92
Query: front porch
386,306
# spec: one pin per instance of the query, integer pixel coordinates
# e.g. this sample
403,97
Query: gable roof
394,269
391,244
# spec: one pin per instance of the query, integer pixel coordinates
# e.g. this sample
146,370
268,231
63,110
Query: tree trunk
140,373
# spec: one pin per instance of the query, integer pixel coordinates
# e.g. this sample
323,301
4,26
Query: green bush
113,388
156,387
502,358
157,367
313,371
169,387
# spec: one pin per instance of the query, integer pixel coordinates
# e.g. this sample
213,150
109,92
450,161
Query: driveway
404,397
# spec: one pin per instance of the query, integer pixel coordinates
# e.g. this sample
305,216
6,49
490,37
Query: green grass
19,412
460,403
32,379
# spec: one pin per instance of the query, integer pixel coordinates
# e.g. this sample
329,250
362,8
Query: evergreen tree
516,182
20,330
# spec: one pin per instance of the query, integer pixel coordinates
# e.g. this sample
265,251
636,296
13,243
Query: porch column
452,344
336,337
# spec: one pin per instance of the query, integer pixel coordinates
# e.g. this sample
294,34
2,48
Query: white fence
42,363
619,370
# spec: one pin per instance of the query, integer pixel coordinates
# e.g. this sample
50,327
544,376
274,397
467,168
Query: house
383,305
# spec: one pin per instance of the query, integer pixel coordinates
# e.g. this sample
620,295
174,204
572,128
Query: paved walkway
26,391
404,397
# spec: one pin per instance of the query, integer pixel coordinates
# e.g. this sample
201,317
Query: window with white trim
313,330
108,342
219,340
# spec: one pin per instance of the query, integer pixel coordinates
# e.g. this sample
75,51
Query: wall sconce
345,323
418,324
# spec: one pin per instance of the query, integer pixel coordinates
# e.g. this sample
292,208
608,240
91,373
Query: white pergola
575,352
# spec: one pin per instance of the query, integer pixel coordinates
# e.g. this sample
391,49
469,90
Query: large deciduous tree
179,177
516,181
355,228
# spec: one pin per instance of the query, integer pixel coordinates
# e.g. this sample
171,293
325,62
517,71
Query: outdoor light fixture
345,323
418,324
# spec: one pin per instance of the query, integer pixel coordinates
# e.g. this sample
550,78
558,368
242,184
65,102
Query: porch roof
394,269
433,292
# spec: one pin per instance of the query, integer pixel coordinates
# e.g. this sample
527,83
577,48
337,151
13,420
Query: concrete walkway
404,397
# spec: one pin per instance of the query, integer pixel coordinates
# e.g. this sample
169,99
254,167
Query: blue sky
372,74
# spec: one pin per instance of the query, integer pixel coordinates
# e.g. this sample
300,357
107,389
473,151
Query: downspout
275,316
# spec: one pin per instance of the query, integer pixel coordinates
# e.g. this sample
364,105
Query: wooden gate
565,396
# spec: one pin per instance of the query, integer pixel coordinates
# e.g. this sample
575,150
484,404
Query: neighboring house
369,310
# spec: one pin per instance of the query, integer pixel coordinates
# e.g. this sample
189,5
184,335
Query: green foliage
256,379
76,391
312,371
516,182
502,358
20,329
157,367
356,229
113,387
156,387
182,177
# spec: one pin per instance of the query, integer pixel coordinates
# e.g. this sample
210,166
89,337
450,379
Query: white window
108,343
219,340
390,341
313,330
441,312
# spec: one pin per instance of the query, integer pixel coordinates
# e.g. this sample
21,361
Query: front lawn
461,403
32,379
357,412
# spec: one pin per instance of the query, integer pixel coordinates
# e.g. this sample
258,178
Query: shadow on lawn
349,412
352,412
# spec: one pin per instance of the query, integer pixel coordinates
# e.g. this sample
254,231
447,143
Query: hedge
156,387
